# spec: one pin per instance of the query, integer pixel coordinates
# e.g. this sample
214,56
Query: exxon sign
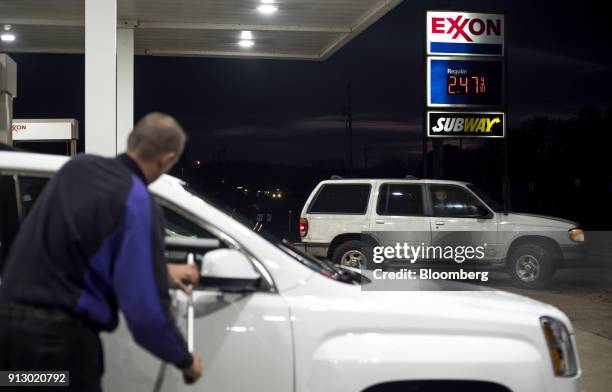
465,33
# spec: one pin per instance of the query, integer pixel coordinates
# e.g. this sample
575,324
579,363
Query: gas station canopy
111,32
297,29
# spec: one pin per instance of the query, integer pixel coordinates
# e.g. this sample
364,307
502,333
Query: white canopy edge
344,35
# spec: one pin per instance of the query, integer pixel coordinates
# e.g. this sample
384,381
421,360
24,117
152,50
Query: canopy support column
125,86
101,77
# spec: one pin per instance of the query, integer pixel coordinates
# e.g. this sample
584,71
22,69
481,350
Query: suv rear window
341,199
400,199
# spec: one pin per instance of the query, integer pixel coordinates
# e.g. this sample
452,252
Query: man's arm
140,281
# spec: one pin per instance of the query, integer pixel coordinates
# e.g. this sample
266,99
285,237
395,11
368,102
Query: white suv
340,212
269,318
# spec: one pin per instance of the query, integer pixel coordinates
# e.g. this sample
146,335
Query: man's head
156,143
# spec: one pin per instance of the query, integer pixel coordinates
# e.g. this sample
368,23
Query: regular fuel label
466,124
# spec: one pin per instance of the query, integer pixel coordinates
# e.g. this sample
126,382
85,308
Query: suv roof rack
411,177
336,177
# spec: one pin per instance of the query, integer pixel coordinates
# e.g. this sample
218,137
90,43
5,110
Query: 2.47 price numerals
466,85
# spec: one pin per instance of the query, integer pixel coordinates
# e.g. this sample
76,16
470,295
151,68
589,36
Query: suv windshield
324,267
494,205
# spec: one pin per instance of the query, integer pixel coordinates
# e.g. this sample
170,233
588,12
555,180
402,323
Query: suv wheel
349,254
530,266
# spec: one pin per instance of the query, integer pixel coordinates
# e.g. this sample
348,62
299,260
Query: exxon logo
19,127
462,27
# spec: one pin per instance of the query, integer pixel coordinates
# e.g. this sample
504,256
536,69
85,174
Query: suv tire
349,254
530,266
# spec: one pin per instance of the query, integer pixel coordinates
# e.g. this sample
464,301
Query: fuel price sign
463,82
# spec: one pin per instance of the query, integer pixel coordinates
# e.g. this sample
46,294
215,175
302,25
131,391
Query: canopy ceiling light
246,43
267,8
7,37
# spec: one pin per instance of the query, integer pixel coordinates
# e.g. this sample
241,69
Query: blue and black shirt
92,244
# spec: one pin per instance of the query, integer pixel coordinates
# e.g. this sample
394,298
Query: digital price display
459,82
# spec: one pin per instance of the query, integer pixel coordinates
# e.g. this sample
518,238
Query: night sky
290,112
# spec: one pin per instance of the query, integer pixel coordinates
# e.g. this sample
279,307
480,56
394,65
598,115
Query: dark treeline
557,166
560,167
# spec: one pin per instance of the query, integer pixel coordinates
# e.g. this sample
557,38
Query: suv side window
341,199
454,201
400,200
9,216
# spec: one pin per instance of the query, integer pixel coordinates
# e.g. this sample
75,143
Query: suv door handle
380,221
440,223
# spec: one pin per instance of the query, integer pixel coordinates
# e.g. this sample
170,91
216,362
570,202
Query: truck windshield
492,203
324,267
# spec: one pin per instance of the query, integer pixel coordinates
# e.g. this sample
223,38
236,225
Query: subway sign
465,33
454,81
466,124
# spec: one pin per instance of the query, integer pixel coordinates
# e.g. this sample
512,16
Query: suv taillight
303,227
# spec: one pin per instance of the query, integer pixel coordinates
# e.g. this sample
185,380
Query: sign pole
424,168
506,181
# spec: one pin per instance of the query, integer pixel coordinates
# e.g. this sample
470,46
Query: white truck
276,320
339,212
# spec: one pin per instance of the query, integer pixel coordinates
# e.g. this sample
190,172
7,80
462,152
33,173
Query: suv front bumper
573,255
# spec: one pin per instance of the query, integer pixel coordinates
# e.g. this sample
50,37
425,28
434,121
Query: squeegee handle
190,310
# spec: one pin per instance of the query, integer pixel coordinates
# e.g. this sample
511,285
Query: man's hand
192,374
183,275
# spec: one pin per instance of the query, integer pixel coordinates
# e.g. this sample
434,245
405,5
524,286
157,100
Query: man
93,244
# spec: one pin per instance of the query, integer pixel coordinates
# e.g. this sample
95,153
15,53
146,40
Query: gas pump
8,91
30,130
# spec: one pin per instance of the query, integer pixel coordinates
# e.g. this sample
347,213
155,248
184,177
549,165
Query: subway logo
466,124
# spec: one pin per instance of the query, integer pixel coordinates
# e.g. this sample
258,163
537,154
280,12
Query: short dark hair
155,134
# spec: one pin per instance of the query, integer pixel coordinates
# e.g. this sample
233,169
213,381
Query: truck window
9,217
30,188
17,196
453,201
400,199
176,225
341,199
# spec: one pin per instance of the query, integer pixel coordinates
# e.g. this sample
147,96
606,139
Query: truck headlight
560,346
576,234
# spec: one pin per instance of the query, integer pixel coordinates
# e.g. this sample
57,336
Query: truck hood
537,220
480,305
379,336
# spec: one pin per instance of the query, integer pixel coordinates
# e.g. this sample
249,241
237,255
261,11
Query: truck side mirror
228,270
